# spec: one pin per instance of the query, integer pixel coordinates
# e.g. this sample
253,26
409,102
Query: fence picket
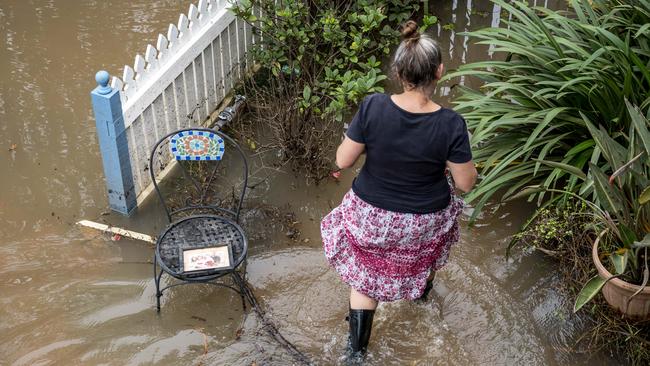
199,86
158,117
225,58
208,71
238,38
148,130
129,81
242,38
234,53
134,147
151,57
183,26
217,57
190,94
169,108
180,101
172,34
193,17
116,83
138,66
248,45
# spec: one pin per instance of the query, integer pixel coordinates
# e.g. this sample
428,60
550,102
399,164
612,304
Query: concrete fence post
113,144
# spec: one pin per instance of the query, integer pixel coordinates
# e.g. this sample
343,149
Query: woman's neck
415,101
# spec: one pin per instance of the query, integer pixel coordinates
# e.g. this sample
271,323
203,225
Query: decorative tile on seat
196,145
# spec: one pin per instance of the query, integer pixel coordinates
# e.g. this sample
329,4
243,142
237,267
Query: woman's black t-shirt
406,155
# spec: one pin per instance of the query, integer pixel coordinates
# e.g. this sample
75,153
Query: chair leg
156,278
158,292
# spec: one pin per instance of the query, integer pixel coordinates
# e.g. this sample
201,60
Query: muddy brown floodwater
71,296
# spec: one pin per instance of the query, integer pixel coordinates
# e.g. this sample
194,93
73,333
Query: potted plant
620,205
622,211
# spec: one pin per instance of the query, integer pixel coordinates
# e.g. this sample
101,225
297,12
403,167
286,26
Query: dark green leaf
588,292
566,167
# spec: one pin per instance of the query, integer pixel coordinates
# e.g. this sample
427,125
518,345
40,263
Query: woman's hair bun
410,31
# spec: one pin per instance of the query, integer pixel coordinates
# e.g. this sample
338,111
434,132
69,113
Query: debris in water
291,233
13,147
205,344
117,230
116,237
239,333
198,318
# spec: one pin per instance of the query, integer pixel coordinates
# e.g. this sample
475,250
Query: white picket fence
182,80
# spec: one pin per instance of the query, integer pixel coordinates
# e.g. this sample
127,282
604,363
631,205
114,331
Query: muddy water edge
72,296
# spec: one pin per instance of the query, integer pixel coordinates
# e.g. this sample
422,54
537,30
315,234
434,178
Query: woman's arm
464,175
348,153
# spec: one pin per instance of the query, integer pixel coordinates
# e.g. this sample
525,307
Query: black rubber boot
360,326
427,289
425,294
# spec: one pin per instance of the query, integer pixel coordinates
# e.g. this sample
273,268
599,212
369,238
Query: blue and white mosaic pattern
197,145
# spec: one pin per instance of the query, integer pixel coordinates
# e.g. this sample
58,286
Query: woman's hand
348,153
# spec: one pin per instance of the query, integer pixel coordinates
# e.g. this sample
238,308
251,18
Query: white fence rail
176,84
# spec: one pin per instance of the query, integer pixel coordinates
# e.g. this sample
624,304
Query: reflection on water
71,296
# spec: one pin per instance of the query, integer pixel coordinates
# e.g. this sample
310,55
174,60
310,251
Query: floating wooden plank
116,230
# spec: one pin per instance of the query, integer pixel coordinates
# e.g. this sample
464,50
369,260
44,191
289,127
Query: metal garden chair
203,242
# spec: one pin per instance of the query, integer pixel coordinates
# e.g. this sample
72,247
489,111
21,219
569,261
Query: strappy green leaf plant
551,72
621,212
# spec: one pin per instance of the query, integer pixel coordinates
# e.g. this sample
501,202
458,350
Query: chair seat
196,232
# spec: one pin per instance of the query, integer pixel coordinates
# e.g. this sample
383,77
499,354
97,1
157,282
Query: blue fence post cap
102,77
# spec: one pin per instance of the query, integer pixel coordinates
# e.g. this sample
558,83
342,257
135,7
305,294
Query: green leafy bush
550,69
332,49
317,60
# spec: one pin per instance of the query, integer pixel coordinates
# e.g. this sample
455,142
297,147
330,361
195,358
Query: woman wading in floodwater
395,227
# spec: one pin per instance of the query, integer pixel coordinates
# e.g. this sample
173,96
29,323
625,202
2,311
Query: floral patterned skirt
388,255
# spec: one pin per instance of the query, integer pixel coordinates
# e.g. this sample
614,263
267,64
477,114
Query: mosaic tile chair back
196,145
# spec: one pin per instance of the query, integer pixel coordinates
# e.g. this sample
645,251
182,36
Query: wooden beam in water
116,230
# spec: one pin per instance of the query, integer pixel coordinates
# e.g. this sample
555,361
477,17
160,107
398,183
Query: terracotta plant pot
617,292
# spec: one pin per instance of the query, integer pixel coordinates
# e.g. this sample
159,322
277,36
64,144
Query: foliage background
555,68
318,59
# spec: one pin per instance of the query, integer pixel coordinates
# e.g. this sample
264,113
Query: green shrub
332,49
550,69
317,60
